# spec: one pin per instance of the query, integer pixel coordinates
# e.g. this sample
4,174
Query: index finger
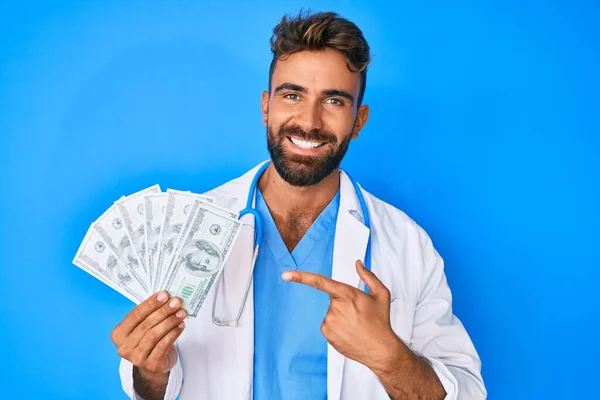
334,288
142,311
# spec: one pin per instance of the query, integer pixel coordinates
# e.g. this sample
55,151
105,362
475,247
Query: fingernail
287,276
180,314
174,303
182,324
162,296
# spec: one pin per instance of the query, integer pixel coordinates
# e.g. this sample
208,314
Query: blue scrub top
290,352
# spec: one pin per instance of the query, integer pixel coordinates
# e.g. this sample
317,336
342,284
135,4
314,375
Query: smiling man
349,298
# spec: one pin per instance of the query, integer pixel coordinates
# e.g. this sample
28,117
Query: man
317,323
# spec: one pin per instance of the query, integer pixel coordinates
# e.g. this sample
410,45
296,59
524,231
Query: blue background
484,128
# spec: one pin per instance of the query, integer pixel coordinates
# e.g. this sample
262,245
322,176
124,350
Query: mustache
315,135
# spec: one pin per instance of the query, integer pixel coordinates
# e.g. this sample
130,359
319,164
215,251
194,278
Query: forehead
317,70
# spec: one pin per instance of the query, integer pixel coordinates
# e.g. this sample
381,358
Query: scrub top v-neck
290,353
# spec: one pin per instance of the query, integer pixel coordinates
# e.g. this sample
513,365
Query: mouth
305,144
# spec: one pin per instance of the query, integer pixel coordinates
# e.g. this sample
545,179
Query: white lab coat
217,362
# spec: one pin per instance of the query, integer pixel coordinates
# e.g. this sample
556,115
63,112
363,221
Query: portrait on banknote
201,258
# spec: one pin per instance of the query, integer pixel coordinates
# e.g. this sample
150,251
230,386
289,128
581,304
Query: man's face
200,260
311,115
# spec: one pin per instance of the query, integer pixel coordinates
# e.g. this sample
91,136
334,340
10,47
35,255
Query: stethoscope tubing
258,233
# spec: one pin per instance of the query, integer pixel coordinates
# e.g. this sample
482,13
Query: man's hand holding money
146,338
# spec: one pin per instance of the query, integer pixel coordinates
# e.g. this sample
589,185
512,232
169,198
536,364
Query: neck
287,201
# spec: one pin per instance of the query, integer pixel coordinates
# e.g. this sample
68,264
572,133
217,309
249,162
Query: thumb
378,289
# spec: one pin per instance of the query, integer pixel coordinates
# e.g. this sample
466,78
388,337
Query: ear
264,106
361,120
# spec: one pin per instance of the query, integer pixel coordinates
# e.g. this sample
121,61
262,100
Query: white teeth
303,144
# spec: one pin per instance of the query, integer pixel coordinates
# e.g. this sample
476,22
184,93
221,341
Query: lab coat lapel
350,244
236,344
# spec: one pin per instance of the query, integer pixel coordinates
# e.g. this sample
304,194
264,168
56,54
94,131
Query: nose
310,116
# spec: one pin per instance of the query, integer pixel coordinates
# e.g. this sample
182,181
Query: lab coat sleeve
439,336
173,387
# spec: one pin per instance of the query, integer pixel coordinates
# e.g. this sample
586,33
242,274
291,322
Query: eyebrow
302,89
340,93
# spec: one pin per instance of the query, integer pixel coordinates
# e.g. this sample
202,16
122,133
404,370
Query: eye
207,261
291,96
335,101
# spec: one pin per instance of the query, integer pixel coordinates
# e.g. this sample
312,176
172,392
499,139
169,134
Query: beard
298,170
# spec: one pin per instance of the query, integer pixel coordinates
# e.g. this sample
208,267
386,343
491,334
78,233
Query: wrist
150,376
150,385
394,355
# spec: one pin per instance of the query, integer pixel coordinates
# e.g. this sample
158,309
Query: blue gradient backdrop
484,128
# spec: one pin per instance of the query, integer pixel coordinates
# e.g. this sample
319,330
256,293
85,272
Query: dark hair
317,32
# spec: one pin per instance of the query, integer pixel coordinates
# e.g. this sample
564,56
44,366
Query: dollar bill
132,211
198,202
203,252
154,209
111,228
181,206
96,257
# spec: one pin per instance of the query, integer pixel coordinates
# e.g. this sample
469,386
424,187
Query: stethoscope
258,232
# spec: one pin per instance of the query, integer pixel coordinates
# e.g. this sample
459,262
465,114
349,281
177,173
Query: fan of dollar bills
152,240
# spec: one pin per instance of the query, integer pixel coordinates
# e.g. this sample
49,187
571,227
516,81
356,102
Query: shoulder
227,188
224,194
405,253
390,218
232,194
